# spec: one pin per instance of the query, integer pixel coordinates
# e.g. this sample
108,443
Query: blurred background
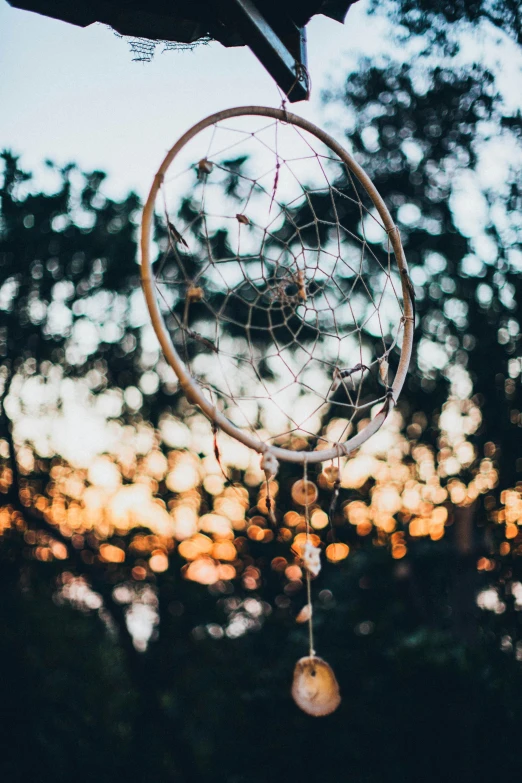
150,613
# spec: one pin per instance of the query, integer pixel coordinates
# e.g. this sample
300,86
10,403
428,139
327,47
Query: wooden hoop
189,384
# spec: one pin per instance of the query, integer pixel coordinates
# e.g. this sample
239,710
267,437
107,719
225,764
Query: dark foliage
440,23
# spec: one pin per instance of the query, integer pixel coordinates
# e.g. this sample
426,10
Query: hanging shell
315,689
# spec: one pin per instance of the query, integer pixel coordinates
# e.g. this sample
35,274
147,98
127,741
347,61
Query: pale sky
74,94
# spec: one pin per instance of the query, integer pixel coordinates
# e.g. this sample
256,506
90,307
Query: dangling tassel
217,455
270,466
314,688
335,475
311,561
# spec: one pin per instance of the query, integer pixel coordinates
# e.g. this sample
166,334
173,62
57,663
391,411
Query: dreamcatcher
280,294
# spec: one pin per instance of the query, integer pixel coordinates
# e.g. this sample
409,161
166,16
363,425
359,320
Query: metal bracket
278,43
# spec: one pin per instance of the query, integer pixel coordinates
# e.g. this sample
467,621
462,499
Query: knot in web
279,281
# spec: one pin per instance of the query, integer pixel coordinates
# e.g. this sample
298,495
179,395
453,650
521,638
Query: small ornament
204,168
332,473
301,285
311,558
194,293
269,464
315,689
383,370
304,492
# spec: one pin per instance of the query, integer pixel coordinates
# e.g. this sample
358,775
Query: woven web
144,49
277,282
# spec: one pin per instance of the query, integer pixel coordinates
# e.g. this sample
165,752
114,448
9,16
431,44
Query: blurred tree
428,142
443,24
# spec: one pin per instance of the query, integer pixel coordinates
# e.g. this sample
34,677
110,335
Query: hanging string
270,466
308,574
335,497
217,454
301,75
276,175
269,504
